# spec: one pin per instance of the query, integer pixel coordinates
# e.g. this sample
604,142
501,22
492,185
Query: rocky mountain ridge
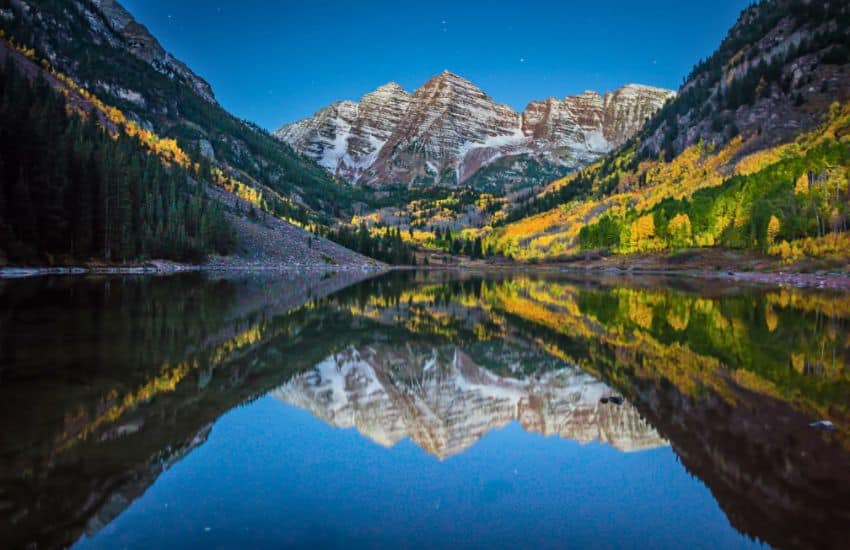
132,35
449,129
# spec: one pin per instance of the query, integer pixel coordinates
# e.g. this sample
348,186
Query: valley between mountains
115,153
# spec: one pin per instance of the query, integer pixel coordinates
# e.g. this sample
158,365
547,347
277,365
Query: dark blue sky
274,62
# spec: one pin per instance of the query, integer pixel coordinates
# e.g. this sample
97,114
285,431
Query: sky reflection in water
273,474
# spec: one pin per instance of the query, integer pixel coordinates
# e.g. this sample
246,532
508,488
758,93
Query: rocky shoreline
837,281
724,264
825,280
161,267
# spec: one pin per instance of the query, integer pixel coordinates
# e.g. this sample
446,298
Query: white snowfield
449,129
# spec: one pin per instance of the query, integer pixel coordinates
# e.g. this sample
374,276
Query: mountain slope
751,154
449,129
119,27
103,49
775,74
123,216
76,185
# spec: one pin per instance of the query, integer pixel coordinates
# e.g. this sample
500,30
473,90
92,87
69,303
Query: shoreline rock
159,267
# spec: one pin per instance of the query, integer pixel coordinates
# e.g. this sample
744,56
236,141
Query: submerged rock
824,425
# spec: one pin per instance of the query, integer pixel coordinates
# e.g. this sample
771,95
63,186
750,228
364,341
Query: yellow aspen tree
680,230
773,228
802,184
642,230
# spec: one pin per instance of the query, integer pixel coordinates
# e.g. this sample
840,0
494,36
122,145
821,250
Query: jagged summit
390,87
449,76
346,136
449,82
448,129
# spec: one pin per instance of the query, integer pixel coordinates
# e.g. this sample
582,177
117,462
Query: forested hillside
143,190
81,182
100,47
752,154
70,191
780,196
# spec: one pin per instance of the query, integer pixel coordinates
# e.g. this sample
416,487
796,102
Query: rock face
123,30
445,402
346,137
449,129
586,126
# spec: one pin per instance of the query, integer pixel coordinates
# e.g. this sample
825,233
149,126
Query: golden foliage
773,228
771,319
802,184
834,245
555,232
680,229
642,235
760,160
166,149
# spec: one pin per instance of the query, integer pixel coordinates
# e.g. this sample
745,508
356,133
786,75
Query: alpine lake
426,409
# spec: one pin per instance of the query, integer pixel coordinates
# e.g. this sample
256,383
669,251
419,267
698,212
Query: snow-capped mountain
346,136
445,402
448,129
586,126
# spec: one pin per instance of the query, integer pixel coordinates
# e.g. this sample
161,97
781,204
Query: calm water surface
421,410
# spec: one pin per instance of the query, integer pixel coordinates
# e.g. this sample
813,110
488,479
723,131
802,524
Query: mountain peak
390,88
643,89
391,85
633,86
450,77
448,129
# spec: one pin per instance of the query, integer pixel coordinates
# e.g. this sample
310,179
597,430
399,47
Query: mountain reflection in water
108,382
445,402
